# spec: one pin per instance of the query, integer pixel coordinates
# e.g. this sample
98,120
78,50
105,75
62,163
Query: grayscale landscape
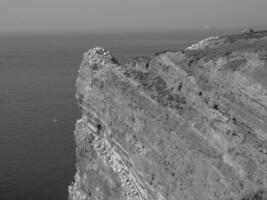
133,100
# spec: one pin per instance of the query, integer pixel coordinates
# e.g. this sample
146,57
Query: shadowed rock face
190,124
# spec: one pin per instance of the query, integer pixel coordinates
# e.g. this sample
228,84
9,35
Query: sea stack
182,125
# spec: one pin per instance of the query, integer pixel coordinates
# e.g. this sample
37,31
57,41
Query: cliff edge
183,125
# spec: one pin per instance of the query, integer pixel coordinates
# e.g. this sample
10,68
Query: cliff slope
188,124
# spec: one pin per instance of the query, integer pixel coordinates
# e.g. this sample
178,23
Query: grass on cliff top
247,36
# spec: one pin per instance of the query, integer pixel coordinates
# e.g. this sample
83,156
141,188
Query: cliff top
211,47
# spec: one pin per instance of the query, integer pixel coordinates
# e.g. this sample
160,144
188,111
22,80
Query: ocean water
37,106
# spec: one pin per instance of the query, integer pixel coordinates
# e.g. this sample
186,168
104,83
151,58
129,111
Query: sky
130,15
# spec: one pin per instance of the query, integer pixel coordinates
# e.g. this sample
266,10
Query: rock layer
188,124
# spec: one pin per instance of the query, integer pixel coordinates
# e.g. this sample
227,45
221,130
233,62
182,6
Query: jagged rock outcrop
188,124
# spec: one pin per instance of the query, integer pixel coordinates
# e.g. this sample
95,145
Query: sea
37,105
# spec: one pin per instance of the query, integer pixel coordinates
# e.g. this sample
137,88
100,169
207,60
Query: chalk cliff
188,124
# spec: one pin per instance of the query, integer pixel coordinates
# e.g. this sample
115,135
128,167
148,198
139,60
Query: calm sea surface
38,109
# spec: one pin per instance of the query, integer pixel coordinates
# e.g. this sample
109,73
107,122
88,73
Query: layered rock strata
188,124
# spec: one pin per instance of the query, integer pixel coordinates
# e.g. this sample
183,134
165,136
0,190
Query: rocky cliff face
189,124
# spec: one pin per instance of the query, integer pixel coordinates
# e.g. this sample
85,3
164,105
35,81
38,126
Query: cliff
188,124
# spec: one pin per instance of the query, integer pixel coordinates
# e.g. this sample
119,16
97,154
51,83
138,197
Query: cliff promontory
183,125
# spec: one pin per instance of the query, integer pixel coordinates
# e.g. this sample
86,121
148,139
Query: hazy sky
133,15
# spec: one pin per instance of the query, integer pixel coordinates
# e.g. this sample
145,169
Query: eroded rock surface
189,124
